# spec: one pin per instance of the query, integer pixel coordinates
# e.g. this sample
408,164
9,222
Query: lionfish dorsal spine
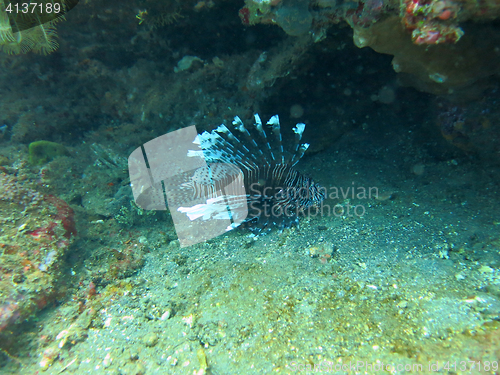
255,152
262,133
274,123
303,147
222,146
299,148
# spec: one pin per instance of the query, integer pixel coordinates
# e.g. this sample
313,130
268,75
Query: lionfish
259,173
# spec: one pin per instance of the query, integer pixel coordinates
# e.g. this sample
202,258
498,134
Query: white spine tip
237,122
258,121
299,129
274,122
222,129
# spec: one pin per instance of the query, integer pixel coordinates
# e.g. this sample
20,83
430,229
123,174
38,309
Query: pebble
167,314
134,355
150,340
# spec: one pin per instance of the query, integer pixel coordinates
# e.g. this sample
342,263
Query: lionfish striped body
274,192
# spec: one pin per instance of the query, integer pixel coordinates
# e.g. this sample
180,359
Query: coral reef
461,71
37,230
428,21
398,29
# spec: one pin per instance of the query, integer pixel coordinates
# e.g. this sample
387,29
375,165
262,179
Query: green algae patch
41,152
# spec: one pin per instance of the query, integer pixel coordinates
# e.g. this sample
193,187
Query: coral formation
460,70
430,21
396,28
37,230
41,152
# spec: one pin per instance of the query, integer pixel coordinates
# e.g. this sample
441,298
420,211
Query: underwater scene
249,187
